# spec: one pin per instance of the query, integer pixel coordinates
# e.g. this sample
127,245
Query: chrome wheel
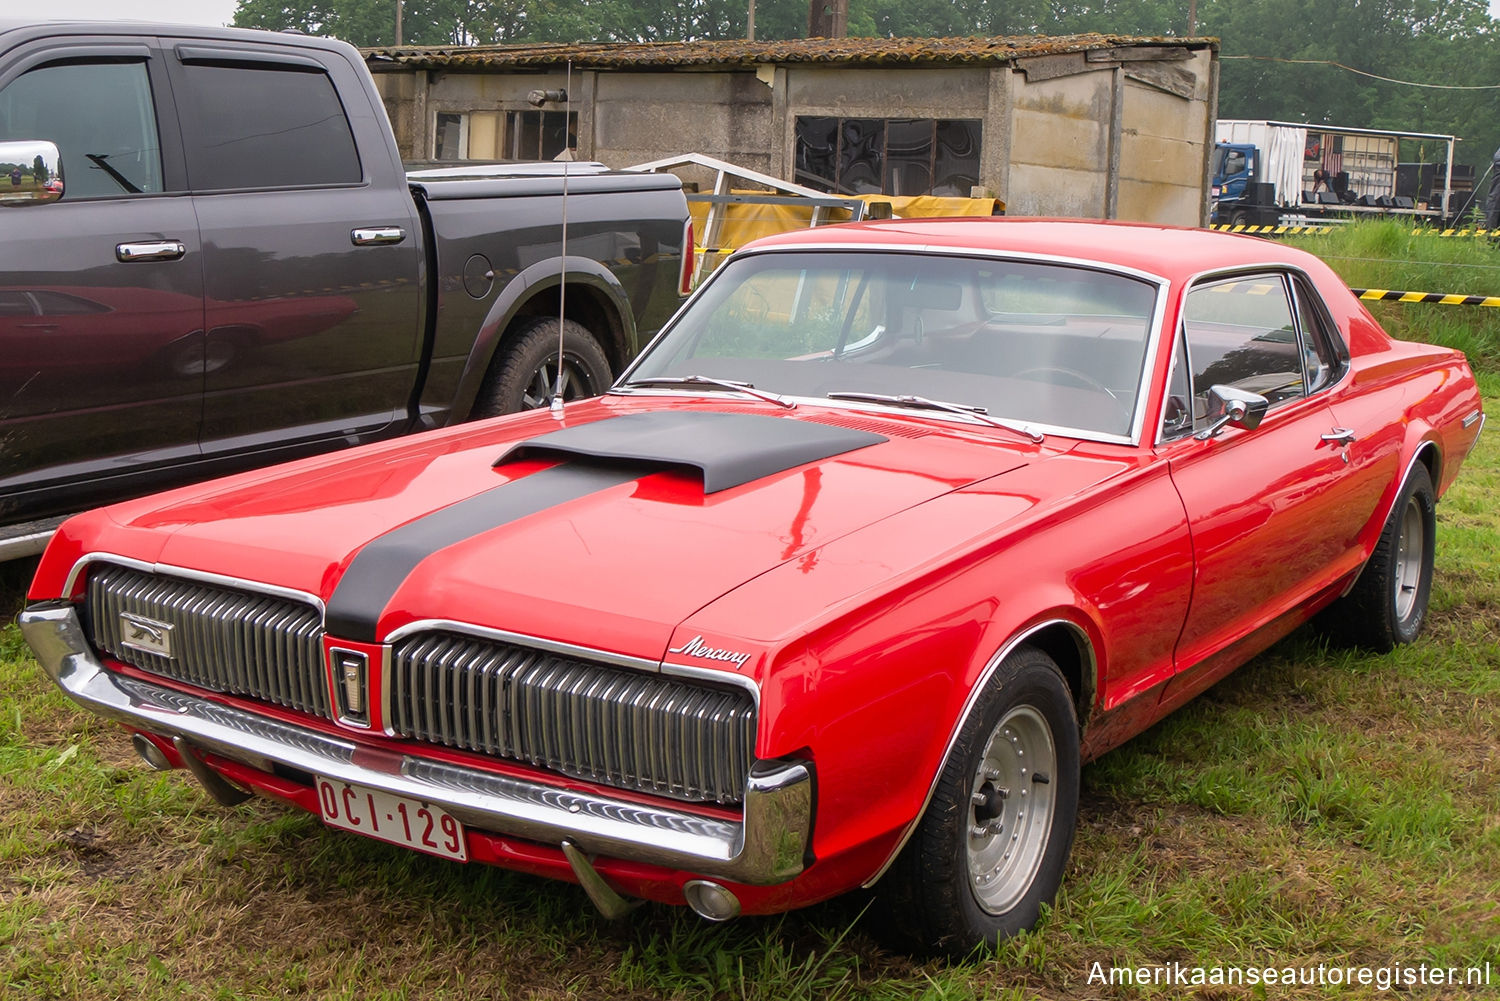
1011,805
1411,546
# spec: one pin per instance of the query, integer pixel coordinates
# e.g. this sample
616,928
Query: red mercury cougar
891,529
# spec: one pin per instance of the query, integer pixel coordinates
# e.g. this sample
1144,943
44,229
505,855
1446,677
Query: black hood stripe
381,566
727,450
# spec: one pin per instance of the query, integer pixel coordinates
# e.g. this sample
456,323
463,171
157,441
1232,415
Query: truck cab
1234,165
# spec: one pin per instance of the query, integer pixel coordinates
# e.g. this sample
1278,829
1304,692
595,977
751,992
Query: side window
1241,333
1234,163
264,127
1322,361
102,119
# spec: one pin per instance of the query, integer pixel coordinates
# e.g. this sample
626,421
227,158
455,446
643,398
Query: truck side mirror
1227,405
30,172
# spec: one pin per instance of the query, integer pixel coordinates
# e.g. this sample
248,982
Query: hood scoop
726,449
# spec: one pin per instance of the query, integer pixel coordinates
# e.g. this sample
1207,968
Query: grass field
1319,807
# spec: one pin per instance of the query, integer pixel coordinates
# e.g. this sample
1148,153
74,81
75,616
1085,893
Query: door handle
376,235
1339,436
154,250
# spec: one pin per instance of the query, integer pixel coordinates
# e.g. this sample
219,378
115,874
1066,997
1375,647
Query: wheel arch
593,297
1070,645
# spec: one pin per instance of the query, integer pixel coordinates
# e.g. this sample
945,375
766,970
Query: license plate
396,819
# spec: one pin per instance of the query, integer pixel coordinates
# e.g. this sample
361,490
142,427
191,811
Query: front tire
524,374
991,847
1387,606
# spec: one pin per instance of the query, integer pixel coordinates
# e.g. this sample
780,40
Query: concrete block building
1086,126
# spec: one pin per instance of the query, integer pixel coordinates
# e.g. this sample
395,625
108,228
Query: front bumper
768,846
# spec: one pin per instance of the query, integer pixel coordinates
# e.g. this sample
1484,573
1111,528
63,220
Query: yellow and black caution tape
1312,228
1440,298
1419,231
1268,230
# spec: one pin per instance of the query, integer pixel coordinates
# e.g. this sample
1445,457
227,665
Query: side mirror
1227,405
30,172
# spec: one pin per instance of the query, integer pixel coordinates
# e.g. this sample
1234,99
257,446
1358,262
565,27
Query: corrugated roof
847,51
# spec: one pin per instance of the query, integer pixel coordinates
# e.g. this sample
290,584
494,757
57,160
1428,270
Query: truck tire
523,374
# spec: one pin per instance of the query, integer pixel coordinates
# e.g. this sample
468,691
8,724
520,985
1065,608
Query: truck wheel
991,847
522,376
1388,604
1240,219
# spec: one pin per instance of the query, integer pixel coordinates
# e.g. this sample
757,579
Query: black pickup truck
211,257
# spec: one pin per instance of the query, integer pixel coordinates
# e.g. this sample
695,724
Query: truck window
102,118
264,127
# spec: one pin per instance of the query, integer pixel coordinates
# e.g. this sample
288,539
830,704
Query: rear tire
1388,604
522,376
991,847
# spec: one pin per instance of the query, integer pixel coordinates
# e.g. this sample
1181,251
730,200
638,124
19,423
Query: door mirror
1227,405
30,172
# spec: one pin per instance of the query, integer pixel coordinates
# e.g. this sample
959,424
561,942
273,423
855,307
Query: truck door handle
375,235
1339,436
155,250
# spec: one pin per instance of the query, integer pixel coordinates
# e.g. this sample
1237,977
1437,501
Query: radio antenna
556,404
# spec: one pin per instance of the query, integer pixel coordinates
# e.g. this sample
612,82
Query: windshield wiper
709,381
923,403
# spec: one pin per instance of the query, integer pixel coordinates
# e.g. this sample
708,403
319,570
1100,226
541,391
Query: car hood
606,529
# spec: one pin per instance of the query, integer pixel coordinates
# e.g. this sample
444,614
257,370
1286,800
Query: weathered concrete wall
1163,146
640,117
1059,145
1111,134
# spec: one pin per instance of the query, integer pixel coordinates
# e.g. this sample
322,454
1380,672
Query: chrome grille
609,725
223,639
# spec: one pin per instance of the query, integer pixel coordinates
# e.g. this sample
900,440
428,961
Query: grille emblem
351,677
146,635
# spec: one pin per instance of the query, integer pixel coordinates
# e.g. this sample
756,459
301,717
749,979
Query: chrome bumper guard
768,847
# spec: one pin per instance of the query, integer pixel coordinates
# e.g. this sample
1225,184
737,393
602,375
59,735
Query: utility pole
828,19
750,23
399,4
1192,18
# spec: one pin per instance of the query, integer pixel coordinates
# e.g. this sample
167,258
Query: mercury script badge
695,648
145,635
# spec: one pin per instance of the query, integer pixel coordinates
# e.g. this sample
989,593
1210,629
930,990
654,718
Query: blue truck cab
1234,166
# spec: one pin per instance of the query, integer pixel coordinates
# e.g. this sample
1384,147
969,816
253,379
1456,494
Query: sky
211,12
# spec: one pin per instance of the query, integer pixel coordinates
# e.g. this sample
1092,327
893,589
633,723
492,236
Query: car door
311,247
101,291
1271,510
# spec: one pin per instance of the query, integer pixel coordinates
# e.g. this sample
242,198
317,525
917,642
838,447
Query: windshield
1056,345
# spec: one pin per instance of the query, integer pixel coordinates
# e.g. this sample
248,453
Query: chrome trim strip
1091,678
199,576
1470,418
768,847
696,673
520,639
